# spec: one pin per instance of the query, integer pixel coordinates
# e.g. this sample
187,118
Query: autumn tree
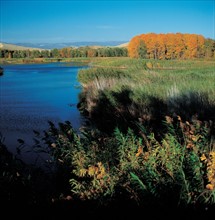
169,46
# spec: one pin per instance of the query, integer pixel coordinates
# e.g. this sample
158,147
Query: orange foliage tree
168,46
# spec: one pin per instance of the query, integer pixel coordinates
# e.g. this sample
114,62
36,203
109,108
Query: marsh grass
183,88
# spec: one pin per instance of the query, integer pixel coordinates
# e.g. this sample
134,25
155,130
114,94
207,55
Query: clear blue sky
69,21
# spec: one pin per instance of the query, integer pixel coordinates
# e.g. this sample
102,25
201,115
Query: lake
33,94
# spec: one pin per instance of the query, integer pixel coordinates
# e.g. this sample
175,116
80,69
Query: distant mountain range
71,44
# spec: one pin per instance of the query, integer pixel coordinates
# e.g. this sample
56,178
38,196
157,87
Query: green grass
176,87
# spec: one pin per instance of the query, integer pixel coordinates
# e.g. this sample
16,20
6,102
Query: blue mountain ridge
70,44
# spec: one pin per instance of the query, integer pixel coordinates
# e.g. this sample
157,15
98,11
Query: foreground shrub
176,170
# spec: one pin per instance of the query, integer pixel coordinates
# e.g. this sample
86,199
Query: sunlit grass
132,93
155,81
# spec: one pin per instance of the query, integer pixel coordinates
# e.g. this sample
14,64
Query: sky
75,21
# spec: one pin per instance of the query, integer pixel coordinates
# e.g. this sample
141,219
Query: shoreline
4,61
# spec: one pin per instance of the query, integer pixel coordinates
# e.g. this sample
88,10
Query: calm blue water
33,94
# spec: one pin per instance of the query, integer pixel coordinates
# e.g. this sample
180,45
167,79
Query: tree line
150,46
66,53
171,46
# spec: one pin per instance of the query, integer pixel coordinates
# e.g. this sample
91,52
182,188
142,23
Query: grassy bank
147,90
6,61
85,60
